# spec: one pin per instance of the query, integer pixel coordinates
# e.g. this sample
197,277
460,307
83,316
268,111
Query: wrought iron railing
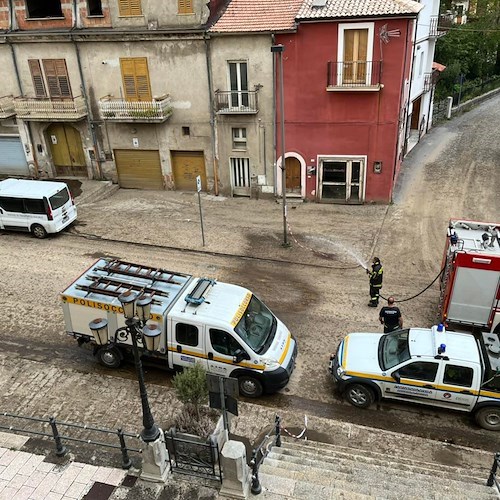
44,109
236,102
58,438
7,106
119,110
494,479
354,75
259,453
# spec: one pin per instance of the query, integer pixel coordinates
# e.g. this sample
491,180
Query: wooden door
415,114
67,151
293,175
186,166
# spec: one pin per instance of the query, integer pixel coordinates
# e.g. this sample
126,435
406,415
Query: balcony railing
119,110
430,80
435,28
242,102
47,110
354,75
7,106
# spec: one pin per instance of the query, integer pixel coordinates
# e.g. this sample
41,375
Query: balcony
234,102
435,30
7,107
430,80
46,110
354,76
119,110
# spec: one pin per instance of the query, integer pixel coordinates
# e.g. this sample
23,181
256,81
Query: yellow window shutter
135,77
185,6
130,7
37,77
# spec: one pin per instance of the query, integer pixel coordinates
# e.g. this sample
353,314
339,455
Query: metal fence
59,438
494,480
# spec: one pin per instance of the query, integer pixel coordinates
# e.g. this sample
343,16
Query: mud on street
317,287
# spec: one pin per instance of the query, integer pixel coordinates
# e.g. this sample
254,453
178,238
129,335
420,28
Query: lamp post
137,312
279,49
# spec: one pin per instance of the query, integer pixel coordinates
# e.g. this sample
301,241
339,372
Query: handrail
58,438
255,462
493,480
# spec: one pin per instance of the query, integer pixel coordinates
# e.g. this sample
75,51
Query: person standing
495,235
390,316
375,276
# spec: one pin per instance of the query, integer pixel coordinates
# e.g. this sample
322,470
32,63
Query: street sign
231,404
198,183
222,394
198,188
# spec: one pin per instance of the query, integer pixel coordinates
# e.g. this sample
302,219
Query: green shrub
191,388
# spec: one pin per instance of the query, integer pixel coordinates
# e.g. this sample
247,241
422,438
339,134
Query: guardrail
494,480
61,450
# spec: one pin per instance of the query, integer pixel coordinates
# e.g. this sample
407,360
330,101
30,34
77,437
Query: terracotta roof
242,16
438,67
356,8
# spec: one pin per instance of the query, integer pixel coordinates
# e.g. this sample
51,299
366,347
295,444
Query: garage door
138,169
12,159
186,166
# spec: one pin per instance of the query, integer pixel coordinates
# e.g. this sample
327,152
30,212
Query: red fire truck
470,284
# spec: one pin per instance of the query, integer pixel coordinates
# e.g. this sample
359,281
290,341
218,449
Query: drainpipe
90,121
213,116
19,84
275,119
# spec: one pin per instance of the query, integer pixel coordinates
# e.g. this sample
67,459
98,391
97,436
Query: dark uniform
390,316
376,276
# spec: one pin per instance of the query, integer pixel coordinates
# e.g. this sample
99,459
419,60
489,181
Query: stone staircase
317,471
94,191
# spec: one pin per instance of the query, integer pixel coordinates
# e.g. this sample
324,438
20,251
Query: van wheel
250,387
109,357
488,418
359,395
38,231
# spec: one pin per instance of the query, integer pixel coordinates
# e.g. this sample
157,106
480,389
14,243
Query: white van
38,207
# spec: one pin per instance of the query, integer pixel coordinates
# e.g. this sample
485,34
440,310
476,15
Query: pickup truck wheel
250,386
489,418
359,395
38,231
109,357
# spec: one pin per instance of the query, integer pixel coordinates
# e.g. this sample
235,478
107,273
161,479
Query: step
96,191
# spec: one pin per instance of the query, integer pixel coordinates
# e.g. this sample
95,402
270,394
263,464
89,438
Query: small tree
191,388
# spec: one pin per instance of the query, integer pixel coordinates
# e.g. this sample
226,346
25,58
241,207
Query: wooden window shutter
57,78
130,7
135,77
185,6
37,77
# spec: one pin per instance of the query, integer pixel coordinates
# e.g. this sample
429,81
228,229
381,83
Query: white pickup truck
428,366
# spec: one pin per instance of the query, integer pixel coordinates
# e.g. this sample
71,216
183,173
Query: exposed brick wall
95,22
4,15
50,23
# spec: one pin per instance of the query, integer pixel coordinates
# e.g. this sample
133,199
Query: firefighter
375,275
390,316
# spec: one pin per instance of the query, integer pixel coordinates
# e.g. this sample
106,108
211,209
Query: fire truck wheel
489,418
250,387
109,357
359,395
38,231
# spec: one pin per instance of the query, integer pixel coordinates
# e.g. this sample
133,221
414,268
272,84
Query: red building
346,73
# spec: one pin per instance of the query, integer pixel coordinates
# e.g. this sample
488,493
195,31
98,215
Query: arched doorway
293,175
67,151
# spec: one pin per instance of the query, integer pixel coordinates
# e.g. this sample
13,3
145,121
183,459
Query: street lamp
136,310
279,49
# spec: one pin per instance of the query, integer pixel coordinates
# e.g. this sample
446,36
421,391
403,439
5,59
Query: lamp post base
155,463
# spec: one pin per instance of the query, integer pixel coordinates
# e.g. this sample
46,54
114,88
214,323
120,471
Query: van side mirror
396,376
240,355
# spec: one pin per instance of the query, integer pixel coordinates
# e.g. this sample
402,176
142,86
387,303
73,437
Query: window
240,168
185,6
186,334
458,375
12,204
35,207
48,8
186,131
135,76
355,51
421,64
59,199
94,8
420,370
130,7
223,343
37,77
238,82
240,138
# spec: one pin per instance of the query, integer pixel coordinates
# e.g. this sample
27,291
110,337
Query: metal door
341,181
186,166
138,168
187,345
12,158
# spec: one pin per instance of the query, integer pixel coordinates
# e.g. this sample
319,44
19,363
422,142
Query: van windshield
393,349
257,326
59,199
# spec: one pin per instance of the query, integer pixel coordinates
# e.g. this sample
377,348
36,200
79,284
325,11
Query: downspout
84,94
275,119
213,116
19,85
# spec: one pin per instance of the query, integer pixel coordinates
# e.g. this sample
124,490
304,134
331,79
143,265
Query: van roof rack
196,297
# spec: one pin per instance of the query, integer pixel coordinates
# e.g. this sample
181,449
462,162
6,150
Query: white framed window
421,64
238,83
355,53
240,170
239,138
